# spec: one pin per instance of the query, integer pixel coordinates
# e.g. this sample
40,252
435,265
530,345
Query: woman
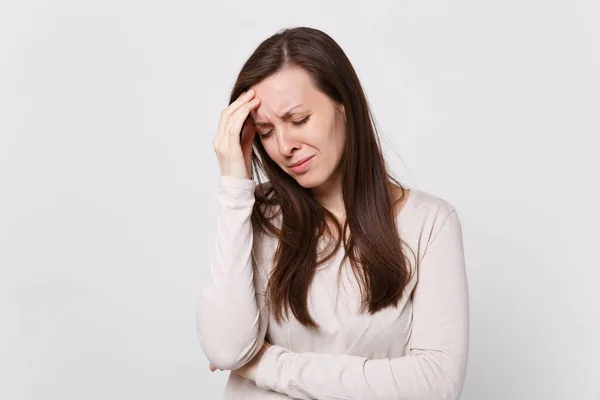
329,280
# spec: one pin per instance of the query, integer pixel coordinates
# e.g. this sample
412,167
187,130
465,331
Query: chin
305,181
307,185
310,180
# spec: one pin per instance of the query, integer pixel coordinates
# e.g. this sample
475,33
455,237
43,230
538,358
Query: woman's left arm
435,367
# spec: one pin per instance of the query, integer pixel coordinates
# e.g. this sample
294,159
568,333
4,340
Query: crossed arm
433,369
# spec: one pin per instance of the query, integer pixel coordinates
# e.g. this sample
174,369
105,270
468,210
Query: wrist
272,361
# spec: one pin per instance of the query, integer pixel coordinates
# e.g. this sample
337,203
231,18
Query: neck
329,194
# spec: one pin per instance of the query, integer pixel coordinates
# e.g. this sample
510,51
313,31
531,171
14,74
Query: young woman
329,280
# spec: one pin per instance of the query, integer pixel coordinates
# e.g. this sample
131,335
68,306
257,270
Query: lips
300,162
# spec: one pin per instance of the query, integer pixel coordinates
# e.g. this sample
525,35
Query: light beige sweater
417,350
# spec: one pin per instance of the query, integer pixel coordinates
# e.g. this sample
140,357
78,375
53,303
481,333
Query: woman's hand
235,158
248,371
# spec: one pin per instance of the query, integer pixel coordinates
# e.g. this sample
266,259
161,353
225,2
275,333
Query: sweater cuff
235,182
271,371
236,193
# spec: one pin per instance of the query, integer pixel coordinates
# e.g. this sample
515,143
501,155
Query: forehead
283,90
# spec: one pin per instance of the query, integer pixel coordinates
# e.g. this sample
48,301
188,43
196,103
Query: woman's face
314,127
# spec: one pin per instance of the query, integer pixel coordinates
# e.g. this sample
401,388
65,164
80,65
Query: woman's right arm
231,316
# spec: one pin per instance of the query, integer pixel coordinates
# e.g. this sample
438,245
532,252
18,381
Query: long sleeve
231,319
434,368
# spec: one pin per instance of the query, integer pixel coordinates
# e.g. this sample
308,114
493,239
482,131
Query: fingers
233,107
213,368
244,97
232,136
233,117
233,126
233,141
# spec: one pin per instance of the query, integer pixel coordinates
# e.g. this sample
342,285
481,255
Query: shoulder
425,214
427,203
427,218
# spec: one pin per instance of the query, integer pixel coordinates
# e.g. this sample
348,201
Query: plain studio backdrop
108,179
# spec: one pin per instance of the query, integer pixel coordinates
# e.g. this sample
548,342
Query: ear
343,110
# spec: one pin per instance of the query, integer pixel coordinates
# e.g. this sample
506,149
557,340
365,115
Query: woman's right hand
235,158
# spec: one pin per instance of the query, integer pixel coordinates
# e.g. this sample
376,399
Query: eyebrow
286,115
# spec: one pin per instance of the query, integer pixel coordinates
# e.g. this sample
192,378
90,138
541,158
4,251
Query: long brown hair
370,234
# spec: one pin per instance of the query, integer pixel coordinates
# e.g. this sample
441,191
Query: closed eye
302,121
295,123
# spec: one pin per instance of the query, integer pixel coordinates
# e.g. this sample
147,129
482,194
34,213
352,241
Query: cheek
336,140
271,150
340,137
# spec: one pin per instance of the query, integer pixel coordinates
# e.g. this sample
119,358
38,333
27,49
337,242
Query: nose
286,143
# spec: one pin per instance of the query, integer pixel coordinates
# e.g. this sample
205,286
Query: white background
108,179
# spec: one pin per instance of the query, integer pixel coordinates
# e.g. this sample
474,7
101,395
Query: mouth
301,165
299,162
